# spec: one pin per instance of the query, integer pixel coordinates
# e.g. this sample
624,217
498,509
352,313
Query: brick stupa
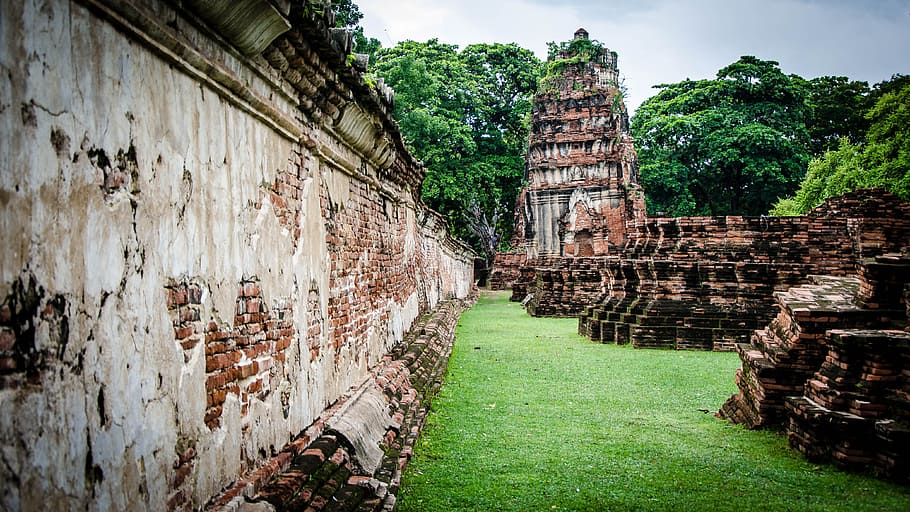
582,193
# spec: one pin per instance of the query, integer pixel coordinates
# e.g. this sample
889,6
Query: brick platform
688,274
781,357
506,269
834,369
855,409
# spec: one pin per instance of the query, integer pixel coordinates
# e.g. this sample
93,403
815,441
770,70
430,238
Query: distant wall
206,241
506,269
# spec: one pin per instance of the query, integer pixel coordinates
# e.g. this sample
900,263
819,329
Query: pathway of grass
534,417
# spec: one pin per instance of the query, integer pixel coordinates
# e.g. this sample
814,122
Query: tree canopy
883,160
731,145
465,114
837,107
734,144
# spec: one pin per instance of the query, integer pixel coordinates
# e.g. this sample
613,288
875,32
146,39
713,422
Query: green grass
534,417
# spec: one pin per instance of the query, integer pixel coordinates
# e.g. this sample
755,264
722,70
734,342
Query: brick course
583,190
506,269
725,268
205,251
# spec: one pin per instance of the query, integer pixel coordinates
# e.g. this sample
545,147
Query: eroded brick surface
834,369
205,250
681,273
588,250
583,190
321,475
506,269
241,357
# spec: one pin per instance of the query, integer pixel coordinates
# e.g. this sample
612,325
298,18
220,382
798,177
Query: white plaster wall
201,163
103,426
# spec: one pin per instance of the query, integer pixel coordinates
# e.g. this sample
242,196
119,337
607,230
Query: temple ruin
816,305
221,290
582,172
216,266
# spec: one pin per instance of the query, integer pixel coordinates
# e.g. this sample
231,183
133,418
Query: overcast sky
665,41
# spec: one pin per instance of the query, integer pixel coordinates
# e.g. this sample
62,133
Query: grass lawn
534,417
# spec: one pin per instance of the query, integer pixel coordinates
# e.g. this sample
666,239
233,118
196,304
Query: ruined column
583,192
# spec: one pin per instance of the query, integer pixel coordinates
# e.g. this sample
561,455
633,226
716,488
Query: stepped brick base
506,269
834,369
672,324
855,409
718,271
782,357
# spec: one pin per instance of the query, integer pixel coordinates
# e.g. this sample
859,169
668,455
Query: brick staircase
780,358
855,408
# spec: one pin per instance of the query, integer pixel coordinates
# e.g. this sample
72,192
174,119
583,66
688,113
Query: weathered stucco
202,250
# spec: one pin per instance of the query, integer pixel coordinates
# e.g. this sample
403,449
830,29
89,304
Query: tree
895,83
884,160
836,172
466,116
504,80
837,108
348,15
887,153
366,45
726,146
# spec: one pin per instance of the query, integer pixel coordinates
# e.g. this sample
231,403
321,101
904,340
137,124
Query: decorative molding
250,25
358,129
146,28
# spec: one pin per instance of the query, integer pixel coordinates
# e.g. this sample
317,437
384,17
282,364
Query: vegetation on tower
577,54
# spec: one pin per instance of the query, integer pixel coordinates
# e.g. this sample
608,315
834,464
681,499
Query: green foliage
726,146
584,48
884,160
895,83
618,104
835,173
887,153
311,7
465,114
347,13
533,417
562,56
554,70
366,45
370,79
837,111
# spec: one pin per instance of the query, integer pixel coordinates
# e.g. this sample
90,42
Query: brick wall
679,274
208,243
320,469
506,269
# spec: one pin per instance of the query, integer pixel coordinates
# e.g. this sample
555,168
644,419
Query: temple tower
582,192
